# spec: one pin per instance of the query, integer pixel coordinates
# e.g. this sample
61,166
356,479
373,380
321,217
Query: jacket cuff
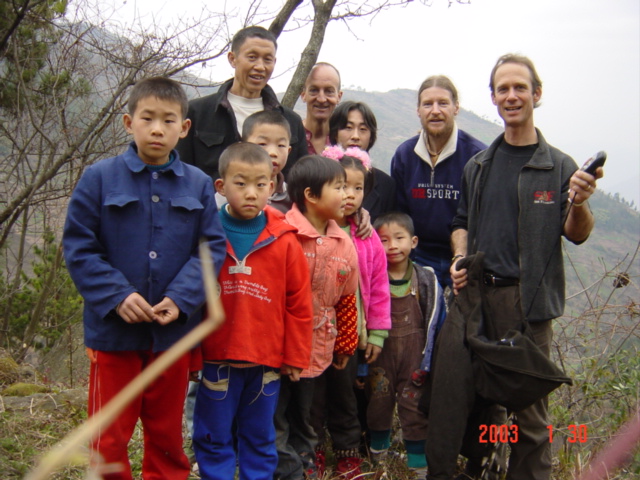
377,337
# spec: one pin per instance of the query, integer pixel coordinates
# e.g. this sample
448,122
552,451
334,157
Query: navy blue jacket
430,195
132,230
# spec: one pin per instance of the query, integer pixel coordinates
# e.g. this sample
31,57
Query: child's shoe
418,377
419,473
348,467
378,456
321,463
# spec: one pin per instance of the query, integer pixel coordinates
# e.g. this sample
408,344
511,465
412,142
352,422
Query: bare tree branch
310,53
283,16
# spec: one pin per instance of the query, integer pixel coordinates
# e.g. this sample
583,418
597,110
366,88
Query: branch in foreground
69,446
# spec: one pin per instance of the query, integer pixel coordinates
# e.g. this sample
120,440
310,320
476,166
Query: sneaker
378,456
321,463
418,377
349,467
419,473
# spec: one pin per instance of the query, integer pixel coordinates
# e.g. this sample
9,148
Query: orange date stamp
510,433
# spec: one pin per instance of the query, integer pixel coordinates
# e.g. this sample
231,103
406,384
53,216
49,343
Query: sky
587,53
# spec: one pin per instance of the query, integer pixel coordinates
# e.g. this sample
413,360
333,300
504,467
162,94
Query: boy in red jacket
266,294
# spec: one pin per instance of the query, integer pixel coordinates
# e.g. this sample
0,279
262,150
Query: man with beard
428,173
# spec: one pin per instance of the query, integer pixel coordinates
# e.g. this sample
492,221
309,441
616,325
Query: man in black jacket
519,197
216,120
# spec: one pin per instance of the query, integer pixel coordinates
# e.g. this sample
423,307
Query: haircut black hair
162,88
251,32
401,219
348,161
313,172
340,117
242,152
265,117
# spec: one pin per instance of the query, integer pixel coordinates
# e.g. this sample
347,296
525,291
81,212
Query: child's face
354,189
356,133
397,243
247,188
275,140
330,205
156,126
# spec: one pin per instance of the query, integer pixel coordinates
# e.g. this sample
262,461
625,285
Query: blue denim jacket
132,230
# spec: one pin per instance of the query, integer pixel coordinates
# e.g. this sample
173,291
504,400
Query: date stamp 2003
510,433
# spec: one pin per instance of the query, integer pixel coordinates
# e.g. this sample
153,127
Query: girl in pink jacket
335,402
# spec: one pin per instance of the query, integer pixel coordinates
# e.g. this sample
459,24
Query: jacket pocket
210,139
402,323
186,202
119,199
322,344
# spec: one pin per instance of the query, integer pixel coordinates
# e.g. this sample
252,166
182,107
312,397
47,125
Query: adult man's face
514,95
437,111
253,63
322,93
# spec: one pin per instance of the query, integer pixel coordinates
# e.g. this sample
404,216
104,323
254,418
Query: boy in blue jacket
131,246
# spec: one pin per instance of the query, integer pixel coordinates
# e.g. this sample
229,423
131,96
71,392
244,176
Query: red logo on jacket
544,196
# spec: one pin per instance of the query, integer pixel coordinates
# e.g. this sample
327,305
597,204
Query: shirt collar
135,164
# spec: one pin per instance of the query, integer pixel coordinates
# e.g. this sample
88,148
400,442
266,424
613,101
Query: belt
493,281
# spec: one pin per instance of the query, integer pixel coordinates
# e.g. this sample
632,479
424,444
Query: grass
24,436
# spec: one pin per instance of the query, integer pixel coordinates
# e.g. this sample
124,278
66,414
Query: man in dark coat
216,120
519,197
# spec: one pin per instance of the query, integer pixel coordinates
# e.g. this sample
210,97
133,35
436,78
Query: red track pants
159,408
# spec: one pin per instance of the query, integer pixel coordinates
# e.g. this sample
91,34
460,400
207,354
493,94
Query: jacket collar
448,150
540,159
136,165
269,97
276,224
296,217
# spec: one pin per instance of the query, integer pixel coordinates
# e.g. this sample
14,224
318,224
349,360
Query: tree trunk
15,285
39,308
283,17
310,54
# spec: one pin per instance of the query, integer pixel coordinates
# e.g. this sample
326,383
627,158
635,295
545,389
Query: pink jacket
333,265
374,280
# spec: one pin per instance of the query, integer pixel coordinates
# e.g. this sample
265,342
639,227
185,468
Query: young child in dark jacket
397,376
131,245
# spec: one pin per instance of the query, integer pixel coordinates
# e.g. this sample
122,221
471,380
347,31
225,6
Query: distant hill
396,113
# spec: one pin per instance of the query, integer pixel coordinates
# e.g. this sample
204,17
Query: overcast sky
587,53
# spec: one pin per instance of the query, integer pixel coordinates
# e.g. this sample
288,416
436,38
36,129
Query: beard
443,132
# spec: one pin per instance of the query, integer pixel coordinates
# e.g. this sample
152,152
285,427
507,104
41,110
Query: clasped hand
135,309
